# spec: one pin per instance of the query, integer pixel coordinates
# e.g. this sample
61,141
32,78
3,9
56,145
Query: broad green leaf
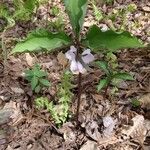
34,82
42,39
123,76
44,82
102,84
104,66
76,10
98,40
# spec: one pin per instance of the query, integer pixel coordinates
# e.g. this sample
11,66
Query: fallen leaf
109,124
17,90
138,130
145,101
62,59
90,145
30,60
97,97
16,115
92,130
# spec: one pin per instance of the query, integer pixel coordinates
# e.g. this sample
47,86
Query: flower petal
87,51
81,68
74,67
73,49
87,57
71,54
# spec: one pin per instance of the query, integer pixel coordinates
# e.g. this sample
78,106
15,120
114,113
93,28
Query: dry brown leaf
62,59
145,101
97,97
16,115
138,130
30,60
109,124
105,141
90,145
17,90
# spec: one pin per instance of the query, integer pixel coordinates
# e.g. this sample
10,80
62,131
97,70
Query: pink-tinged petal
73,49
87,51
88,58
81,68
74,67
70,55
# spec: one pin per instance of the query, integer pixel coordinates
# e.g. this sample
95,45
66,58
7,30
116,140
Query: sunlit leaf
76,10
98,40
104,66
102,84
123,76
34,82
44,82
42,39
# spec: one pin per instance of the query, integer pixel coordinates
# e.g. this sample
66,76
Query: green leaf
76,10
37,89
34,82
123,76
42,39
104,66
111,40
102,84
44,82
97,12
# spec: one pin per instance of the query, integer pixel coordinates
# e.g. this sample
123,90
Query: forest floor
23,127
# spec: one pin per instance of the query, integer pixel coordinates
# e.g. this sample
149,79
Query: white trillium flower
76,66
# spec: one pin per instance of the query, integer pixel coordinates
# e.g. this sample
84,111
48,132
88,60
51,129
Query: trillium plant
81,48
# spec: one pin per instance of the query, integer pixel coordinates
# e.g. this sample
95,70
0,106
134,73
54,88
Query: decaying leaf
16,115
62,59
90,145
92,130
109,124
30,60
138,130
145,101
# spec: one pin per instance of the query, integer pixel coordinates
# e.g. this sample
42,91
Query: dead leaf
109,124
17,90
92,130
62,59
16,115
89,145
145,101
138,130
30,60
97,97
68,133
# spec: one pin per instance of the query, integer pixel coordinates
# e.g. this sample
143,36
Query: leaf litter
104,123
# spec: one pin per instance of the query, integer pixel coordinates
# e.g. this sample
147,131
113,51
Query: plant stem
78,96
105,93
79,80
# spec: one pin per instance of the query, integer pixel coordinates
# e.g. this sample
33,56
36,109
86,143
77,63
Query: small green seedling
110,75
135,103
36,77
